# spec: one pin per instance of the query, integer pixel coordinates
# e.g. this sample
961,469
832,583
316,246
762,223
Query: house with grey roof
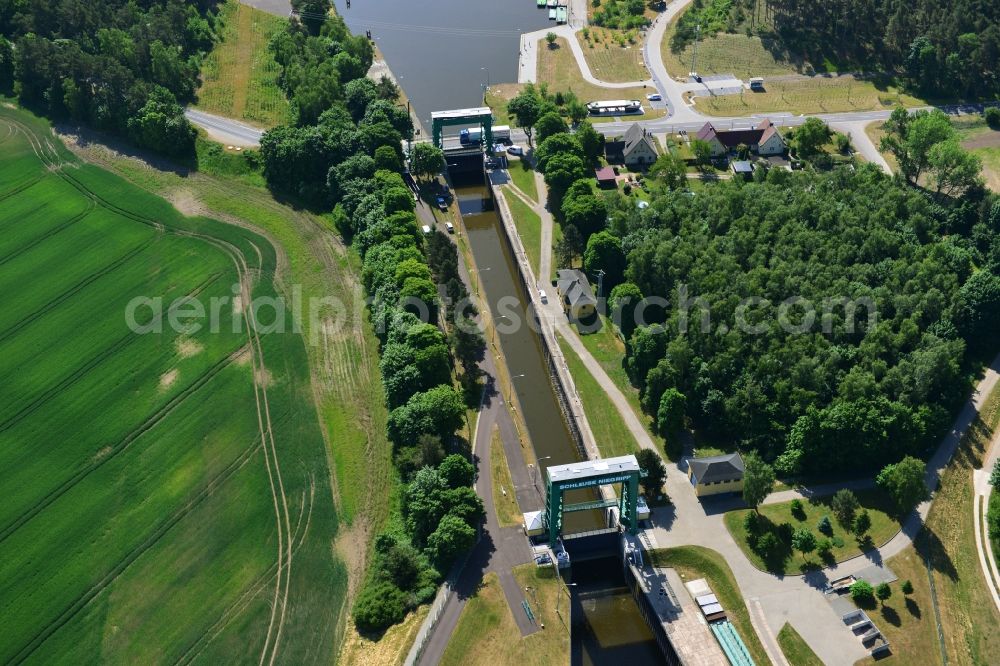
637,149
716,475
575,295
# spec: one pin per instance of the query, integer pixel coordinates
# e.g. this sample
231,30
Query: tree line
344,154
939,48
122,67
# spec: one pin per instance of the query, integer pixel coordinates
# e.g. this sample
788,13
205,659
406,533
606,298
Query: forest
938,48
830,321
122,67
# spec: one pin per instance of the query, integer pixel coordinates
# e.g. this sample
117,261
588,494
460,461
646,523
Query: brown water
444,51
607,626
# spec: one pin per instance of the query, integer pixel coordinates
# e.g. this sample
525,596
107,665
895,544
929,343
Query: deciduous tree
758,480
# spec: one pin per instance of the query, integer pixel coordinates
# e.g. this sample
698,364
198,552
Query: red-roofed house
764,139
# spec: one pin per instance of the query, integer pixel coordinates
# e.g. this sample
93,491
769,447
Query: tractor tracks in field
81,602
49,156
47,235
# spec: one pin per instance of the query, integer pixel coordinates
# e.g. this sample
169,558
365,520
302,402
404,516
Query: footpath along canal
607,626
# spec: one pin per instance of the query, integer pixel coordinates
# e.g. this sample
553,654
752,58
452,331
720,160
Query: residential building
716,475
636,150
575,295
764,139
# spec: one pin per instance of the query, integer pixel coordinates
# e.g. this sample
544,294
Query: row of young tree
894,293
122,67
940,48
344,153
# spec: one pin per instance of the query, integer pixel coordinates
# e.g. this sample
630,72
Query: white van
450,227
426,229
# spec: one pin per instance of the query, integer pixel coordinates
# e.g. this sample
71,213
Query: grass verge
796,650
968,616
529,228
876,502
558,69
240,76
693,562
504,497
524,177
612,435
486,631
809,96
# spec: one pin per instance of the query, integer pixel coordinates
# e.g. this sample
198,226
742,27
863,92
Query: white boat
552,14
553,4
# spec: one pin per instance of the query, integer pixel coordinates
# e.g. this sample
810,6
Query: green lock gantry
481,116
588,474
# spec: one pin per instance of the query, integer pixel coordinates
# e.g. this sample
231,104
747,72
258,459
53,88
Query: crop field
240,77
166,493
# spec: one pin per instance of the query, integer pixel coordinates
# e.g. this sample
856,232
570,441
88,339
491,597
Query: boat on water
553,4
540,3
552,14
560,14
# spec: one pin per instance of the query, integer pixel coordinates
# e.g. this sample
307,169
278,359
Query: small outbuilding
743,169
575,295
716,475
606,178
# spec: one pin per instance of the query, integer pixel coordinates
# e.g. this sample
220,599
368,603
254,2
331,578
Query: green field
795,649
167,495
240,75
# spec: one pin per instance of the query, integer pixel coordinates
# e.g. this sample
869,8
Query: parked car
515,150
450,227
654,97
426,229
442,203
543,296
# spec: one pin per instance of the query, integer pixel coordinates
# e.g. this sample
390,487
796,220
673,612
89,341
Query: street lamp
536,477
559,597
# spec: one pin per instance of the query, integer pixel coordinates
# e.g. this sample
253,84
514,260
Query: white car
450,227
515,150
654,97
426,229
542,295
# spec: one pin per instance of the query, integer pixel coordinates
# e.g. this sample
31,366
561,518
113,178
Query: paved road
277,7
981,498
225,130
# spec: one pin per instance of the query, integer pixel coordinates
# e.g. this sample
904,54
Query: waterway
607,625
444,52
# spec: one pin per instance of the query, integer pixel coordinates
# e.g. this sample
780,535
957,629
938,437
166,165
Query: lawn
612,435
524,177
557,67
163,490
529,228
486,632
609,350
818,94
504,496
796,650
240,76
610,60
693,562
879,507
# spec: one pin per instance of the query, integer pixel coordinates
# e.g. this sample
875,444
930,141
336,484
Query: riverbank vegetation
936,49
239,77
345,153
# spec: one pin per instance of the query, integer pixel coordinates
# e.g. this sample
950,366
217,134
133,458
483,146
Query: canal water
607,625
443,52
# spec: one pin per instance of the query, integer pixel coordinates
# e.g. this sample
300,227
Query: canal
444,52
607,626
